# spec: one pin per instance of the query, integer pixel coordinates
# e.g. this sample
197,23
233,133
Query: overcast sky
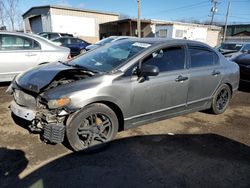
157,9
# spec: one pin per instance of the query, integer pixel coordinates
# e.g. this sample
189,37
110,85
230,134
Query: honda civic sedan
120,86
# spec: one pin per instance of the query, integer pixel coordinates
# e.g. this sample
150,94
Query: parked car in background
106,41
53,35
122,85
75,45
243,61
20,51
232,49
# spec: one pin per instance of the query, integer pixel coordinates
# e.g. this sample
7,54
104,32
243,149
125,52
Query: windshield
109,57
105,41
230,46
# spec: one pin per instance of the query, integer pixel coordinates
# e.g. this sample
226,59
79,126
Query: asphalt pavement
195,150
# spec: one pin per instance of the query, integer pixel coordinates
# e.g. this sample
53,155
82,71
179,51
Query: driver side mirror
147,70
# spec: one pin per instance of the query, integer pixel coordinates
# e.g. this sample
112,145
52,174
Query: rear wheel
221,99
94,125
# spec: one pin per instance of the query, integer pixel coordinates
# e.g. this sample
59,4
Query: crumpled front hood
39,77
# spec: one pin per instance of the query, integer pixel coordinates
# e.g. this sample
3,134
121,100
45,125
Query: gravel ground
195,150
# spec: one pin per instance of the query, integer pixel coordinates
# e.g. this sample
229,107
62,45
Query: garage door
36,24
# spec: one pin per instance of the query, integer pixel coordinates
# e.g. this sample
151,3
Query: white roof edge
155,21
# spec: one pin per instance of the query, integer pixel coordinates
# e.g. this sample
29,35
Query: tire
94,125
221,99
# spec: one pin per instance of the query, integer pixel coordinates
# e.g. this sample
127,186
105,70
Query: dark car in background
243,61
232,49
75,45
53,35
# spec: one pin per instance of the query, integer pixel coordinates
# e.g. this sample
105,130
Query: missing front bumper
54,133
51,132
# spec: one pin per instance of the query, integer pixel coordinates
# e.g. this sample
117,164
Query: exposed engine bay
66,77
50,123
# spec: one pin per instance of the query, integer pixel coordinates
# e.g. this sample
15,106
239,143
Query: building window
162,33
179,33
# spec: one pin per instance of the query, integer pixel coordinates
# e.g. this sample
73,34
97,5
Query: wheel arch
231,88
117,110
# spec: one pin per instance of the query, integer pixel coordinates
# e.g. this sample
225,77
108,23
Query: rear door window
64,40
53,35
200,57
13,42
80,41
73,41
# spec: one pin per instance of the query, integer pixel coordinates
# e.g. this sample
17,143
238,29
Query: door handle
181,78
30,54
215,73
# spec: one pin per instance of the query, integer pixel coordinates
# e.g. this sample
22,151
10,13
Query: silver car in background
20,51
233,49
107,41
120,86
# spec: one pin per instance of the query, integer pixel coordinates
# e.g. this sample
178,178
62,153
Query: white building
179,30
79,22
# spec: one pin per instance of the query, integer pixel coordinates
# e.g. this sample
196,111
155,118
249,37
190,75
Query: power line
241,1
194,5
219,14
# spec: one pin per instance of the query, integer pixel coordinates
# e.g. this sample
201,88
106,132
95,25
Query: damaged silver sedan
87,100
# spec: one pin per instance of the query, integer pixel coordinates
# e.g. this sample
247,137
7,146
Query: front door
164,94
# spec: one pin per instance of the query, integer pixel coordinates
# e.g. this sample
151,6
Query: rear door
205,75
17,54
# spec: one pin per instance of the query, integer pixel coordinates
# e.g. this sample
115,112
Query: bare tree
11,8
2,13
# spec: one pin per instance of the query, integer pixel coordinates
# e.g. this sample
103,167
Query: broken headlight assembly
58,103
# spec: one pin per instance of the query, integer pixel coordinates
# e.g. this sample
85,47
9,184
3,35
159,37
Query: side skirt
135,122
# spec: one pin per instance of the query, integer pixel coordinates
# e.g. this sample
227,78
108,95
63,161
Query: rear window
231,46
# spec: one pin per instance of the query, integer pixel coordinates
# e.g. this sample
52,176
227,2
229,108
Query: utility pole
213,10
139,19
225,29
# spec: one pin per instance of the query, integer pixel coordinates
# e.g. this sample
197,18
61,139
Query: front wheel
95,124
221,99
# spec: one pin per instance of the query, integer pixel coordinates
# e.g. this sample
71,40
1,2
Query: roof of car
31,35
63,37
235,42
154,40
